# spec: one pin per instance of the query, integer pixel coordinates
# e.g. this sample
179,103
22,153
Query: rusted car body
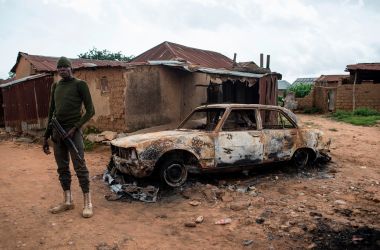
219,137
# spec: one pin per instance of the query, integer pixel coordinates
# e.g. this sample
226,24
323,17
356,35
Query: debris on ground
199,219
130,190
223,221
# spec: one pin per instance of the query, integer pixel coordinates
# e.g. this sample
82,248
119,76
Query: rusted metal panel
26,102
363,66
268,90
49,64
171,51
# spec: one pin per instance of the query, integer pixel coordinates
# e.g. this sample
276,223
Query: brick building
346,92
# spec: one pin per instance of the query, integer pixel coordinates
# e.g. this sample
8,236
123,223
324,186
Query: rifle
62,133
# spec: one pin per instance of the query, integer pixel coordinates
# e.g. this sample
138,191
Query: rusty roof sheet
11,83
49,64
6,80
363,66
177,52
191,68
331,78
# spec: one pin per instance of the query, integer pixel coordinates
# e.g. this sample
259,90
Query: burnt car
219,137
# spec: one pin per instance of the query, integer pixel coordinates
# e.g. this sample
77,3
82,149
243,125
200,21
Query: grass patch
361,116
88,145
91,130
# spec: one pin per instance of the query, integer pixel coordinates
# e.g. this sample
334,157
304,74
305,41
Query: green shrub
280,101
91,130
366,112
88,145
301,89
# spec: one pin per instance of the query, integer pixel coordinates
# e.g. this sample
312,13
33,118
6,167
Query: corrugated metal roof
6,80
283,84
363,66
306,80
185,66
177,52
331,78
23,80
49,64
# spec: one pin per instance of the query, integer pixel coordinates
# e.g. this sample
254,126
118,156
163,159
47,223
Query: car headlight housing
125,153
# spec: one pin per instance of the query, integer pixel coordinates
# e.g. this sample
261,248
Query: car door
239,141
280,135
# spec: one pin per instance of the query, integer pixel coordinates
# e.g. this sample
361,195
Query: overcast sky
304,38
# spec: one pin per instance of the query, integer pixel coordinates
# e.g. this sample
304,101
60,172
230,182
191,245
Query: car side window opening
204,119
240,120
273,119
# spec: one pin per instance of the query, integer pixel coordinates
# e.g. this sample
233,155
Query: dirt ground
335,206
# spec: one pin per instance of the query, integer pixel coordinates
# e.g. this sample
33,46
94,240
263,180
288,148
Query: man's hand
71,133
45,146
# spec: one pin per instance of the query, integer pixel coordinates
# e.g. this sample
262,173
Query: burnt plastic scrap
130,190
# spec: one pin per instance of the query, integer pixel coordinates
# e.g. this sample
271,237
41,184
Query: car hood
147,138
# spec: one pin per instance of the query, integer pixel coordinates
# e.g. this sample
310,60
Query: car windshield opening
203,119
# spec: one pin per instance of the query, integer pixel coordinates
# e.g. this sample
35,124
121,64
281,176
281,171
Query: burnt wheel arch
185,157
302,157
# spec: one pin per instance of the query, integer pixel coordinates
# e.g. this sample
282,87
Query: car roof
241,105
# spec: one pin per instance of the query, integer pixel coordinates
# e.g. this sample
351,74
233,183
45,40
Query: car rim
175,174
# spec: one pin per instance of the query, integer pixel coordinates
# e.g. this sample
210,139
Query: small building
305,80
283,85
360,89
25,99
160,86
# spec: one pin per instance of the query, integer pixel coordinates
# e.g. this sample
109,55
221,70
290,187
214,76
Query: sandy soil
328,206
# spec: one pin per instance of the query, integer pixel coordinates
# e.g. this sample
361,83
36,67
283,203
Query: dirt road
335,206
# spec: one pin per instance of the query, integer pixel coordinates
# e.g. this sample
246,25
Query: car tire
301,158
173,172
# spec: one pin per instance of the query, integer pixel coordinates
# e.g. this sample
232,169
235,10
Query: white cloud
92,8
304,38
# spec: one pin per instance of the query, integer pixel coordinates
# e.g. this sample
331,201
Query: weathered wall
109,105
307,101
367,95
194,92
321,98
24,68
143,96
153,96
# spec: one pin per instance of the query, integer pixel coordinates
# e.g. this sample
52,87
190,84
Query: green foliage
91,130
366,112
88,145
300,89
280,101
94,53
313,110
361,116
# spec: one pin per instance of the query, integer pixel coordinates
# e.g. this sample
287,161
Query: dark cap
63,62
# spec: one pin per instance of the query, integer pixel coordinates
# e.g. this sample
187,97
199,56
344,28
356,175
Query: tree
94,53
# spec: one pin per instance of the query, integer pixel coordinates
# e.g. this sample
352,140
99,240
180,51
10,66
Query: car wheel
174,173
300,158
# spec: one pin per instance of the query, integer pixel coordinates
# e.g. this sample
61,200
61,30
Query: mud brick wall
307,101
109,101
321,98
367,95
